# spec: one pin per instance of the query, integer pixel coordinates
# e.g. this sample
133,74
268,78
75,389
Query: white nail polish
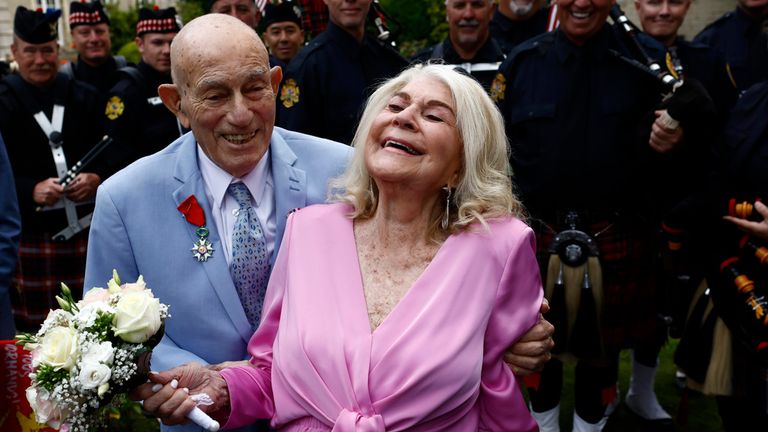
156,388
174,383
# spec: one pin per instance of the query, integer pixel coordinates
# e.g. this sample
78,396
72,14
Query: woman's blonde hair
484,188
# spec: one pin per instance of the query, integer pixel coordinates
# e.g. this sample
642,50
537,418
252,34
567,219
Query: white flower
94,295
93,374
58,348
90,312
100,353
137,316
46,411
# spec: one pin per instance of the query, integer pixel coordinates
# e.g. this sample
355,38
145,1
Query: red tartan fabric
42,266
627,256
314,17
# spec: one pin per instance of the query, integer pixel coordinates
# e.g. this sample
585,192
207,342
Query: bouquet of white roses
91,350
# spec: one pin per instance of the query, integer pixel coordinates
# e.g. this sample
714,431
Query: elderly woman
391,308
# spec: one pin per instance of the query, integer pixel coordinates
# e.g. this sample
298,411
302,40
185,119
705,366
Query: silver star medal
202,249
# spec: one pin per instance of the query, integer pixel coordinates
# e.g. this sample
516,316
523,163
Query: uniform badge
115,107
289,94
498,87
671,65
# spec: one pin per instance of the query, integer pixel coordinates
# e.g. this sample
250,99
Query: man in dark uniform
326,85
469,43
283,33
741,38
46,119
135,116
516,21
89,26
682,181
579,121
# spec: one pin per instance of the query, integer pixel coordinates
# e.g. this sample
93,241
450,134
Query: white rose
94,374
137,317
46,412
95,295
100,353
58,348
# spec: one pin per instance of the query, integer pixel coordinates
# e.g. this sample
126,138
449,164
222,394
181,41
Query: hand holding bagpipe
78,167
687,100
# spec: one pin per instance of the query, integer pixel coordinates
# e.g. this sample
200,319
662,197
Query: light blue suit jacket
138,230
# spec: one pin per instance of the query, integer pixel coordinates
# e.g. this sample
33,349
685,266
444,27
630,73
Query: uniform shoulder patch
289,94
115,107
498,87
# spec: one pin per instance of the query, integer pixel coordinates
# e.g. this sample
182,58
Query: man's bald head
206,39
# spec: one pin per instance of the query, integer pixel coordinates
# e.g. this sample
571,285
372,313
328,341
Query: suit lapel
290,185
215,268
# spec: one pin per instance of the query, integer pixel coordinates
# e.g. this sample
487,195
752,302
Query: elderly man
740,37
134,114
469,43
42,114
224,91
283,32
89,26
583,144
327,84
516,21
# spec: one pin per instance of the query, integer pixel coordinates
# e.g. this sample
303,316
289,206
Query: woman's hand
757,229
167,394
531,351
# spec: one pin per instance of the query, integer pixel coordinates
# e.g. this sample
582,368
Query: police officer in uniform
327,83
584,145
469,43
516,21
89,26
135,116
46,119
741,38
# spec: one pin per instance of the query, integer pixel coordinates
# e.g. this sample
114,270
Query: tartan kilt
627,258
42,266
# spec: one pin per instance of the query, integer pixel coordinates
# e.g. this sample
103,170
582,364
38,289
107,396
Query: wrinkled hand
664,140
166,395
757,229
47,192
531,351
83,187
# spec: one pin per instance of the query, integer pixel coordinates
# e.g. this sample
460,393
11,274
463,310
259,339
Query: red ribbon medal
202,249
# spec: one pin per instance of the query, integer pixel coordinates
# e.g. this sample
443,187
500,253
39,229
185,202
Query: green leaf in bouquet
102,327
48,377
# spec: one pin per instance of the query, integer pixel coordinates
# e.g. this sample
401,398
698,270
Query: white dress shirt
224,207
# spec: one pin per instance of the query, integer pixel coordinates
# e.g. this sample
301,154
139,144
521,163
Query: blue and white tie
250,261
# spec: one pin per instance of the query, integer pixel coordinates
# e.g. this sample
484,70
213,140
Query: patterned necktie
250,262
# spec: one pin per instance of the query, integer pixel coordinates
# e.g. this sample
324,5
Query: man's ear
171,97
276,75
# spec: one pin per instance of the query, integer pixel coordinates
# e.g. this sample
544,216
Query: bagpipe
75,225
683,100
381,21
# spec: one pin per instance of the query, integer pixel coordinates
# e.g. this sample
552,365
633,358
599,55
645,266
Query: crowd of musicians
629,145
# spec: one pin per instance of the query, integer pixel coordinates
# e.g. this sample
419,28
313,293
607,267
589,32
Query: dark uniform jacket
489,54
578,120
103,77
509,33
27,145
741,41
327,83
136,117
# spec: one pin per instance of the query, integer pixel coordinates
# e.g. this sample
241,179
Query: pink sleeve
250,387
519,296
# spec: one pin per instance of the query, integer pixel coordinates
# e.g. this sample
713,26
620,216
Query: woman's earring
447,216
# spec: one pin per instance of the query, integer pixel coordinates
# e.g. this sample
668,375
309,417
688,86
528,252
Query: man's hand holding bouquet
91,350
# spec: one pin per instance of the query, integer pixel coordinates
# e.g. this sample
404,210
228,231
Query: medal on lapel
202,249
